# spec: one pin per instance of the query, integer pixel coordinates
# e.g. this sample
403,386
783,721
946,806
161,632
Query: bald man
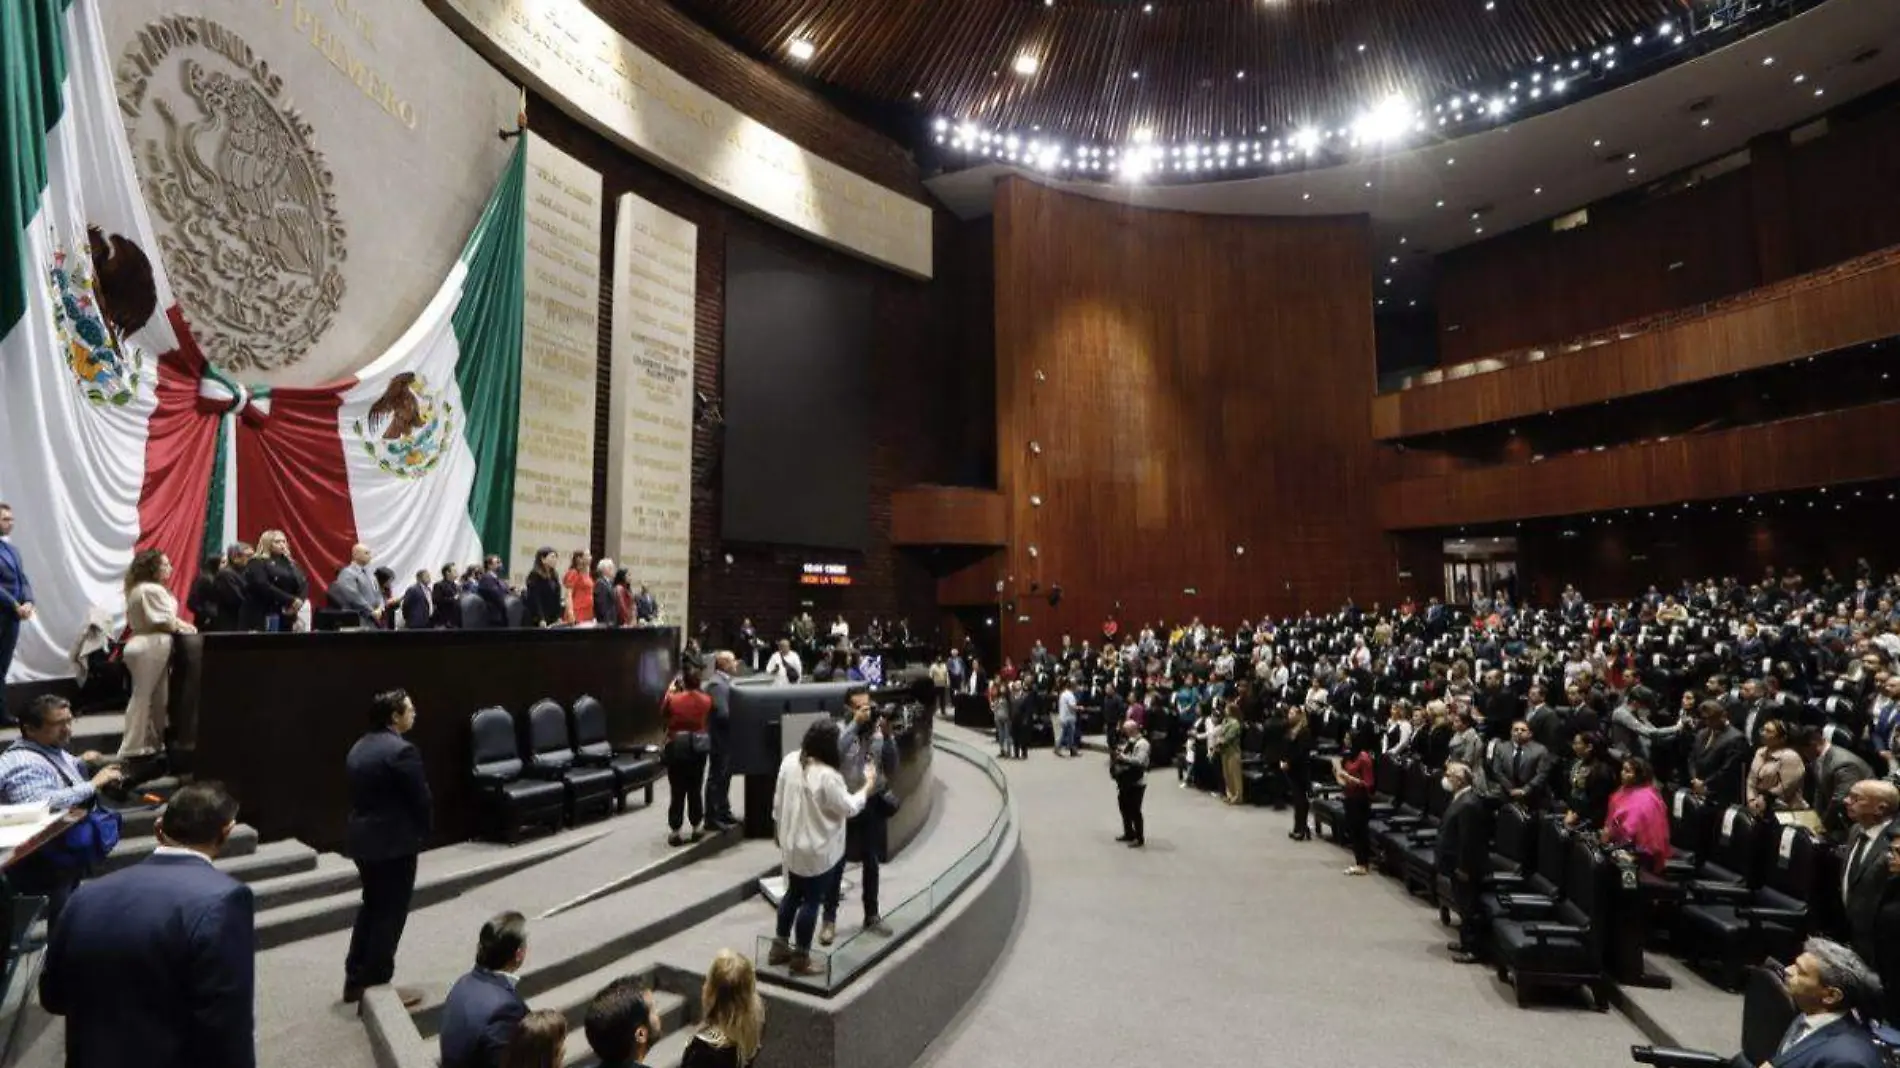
1870,806
356,589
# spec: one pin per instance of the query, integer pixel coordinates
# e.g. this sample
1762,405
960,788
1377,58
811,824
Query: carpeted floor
1225,943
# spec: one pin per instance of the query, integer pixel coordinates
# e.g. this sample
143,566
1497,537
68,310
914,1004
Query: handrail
859,953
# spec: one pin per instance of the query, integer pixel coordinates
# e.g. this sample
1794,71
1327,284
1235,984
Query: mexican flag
119,435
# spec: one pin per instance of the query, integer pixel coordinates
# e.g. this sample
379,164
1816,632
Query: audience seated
483,1011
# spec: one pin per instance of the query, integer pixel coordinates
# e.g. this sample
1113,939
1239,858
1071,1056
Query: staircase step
272,860
242,843
327,874
571,999
675,1033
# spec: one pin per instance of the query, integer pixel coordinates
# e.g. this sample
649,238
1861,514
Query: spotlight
801,49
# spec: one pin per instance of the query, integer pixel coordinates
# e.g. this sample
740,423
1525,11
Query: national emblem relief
253,245
408,429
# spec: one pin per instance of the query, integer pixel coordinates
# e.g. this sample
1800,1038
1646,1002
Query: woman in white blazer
811,806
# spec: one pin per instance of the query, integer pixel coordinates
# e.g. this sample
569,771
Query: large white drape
72,468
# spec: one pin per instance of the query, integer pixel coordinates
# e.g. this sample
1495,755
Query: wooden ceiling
1208,68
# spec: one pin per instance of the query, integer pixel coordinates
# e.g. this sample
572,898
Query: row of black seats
551,767
1565,911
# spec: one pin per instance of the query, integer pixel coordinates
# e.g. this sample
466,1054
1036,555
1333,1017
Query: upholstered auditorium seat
1561,946
590,790
507,803
1537,892
1690,818
1417,856
633,769
474,612
516,611
1730,925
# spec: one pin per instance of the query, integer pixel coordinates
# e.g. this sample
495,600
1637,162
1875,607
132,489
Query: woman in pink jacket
1638,819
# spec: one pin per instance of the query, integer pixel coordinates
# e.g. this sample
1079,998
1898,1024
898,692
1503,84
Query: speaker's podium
770,719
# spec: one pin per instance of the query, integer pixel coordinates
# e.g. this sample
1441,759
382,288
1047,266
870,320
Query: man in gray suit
1870,807
1520,768
355,588
1836,770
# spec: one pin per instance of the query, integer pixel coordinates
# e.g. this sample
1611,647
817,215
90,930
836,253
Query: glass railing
831,969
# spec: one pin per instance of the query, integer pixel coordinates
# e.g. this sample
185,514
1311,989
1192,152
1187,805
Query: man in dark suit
154,965
1870,808
1832,990
390,814
1520,768
417,604
646,607
719,727
1835,770
493,591
445,599
16,603
1498,706
1463,852
483,1011
1717,757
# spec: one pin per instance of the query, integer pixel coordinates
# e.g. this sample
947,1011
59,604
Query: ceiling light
1705,122
1558,85
1385,122
1632,172
1362,48
1637,40
1441,204
940,125
915,95
801,49
1480,230
1135,74
1666,28
1799,78
1496,106
1241,74
1368,185
1819,92
1598,143
1144,136
1677,39
1490,5
1306,140
1147,9
1395,259
1538,192
1450,160
1767,61
1026,65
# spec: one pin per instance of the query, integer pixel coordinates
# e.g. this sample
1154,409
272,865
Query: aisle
1225,943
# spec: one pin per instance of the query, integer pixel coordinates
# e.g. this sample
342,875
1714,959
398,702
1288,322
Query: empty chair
507,803
633,770
1689,819
474,611
515,610
1537,892
1417,858
590,791
1730,855
1731,925
1565,947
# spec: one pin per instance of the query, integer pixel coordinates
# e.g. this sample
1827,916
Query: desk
274,715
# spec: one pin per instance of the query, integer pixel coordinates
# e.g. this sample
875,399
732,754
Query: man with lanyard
864,741
37,769
16,603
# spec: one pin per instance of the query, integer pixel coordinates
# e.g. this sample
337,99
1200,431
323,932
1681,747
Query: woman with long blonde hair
151,614
274,586
732,1017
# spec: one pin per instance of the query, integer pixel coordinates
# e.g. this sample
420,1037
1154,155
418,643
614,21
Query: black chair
1766,1013
474,611
507,803
1566,947
1689,820
1418,847
1731,925
1536,893
633,769
516,611
589,790
1731,853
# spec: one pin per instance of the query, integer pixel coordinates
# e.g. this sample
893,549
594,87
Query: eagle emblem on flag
408,429
101,295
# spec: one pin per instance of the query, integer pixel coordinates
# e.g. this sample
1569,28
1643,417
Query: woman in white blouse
811,806
151,614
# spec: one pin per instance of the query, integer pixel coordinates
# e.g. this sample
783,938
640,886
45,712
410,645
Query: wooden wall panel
1793,209
1635,258
1817,450
1791,322
947,515
1195,384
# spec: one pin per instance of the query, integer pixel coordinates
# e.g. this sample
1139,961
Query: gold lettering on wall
650,430
572,56
554,462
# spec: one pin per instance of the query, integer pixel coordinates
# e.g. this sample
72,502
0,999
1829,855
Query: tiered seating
1732,925
1560,942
